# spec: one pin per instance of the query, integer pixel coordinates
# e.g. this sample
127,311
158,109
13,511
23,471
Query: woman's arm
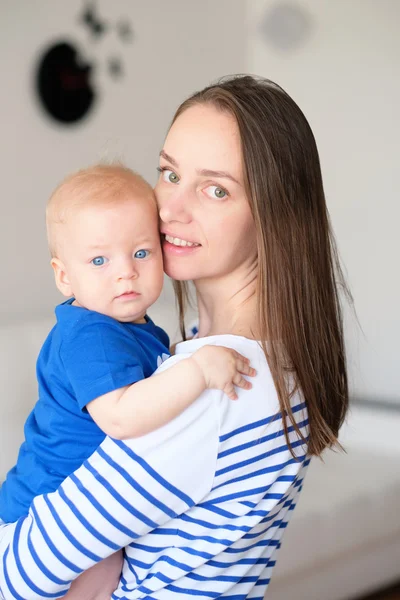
124,490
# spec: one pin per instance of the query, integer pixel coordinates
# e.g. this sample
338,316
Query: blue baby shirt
86,355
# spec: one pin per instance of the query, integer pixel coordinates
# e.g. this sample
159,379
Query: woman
201,504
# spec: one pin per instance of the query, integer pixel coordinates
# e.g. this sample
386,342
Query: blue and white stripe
200,505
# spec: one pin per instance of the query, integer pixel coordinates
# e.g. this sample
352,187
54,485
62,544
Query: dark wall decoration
63,80
63,83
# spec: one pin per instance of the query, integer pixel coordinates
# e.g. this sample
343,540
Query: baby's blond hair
96,185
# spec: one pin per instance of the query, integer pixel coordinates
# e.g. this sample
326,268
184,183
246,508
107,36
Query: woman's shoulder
250,348
262,400
236,342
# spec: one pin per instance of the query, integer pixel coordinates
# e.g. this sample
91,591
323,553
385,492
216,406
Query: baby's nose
127,271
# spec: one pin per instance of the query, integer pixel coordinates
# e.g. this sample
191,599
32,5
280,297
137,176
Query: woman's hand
223,369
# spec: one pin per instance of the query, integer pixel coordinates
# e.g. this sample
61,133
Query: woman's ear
61,277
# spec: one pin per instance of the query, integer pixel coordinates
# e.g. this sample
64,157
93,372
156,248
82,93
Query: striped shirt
200,505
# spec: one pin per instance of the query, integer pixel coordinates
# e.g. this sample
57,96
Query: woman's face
208,230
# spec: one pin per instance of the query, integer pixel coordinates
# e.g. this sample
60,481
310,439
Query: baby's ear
61,277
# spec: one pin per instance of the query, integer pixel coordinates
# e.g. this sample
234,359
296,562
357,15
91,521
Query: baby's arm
148,404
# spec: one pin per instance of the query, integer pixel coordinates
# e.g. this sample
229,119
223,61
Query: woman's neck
227,306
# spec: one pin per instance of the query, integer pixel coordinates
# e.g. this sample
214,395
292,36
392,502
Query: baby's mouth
128,293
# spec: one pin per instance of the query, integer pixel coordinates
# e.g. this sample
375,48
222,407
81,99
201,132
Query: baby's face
113,259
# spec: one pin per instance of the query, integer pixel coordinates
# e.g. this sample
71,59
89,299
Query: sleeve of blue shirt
99,356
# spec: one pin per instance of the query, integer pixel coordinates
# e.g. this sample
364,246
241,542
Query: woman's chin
178,272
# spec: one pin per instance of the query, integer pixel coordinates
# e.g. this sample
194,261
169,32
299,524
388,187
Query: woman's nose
174,207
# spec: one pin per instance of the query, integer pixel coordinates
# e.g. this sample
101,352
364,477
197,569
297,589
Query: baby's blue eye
142,254
99,261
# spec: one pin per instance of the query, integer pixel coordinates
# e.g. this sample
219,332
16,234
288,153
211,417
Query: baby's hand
222,369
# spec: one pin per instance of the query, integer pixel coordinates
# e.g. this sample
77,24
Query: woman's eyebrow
168,158
210,173
203,172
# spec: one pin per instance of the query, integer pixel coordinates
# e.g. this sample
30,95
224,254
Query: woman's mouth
175,246
178,242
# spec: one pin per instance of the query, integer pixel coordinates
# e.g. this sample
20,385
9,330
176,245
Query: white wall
179,47
345,77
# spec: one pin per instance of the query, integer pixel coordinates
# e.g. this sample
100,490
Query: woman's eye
142,254
169,176
216,192
99,261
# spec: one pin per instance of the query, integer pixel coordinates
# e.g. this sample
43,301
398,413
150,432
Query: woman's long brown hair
299,275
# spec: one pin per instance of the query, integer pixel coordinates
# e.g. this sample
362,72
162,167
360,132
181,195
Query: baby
94,367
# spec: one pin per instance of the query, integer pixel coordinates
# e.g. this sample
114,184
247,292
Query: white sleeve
125,490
